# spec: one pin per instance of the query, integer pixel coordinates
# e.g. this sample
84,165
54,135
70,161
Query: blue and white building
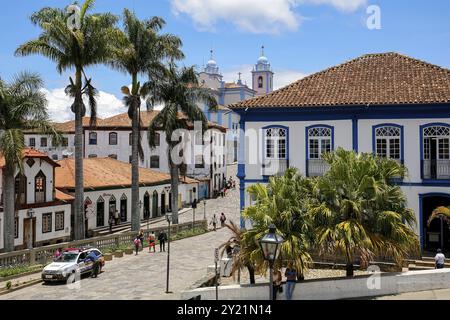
228,93
388,104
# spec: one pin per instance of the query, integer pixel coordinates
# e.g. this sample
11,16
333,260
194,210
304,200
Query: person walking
291,276
137,244
162,237
141,238
439,259
111,222
222,220
116,217
151,242
214,222
277,278
96,264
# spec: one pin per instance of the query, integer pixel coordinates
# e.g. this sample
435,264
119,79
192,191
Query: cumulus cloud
282,77
255,16
59,105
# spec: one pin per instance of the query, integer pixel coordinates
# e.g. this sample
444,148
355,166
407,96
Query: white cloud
282,77
59,105
255,16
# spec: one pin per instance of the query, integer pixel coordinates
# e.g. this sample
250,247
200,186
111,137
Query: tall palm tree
75,49
22,107
180,93
283,202
141,51
440,212
359,212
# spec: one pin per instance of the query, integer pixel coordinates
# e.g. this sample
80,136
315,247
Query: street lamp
30,213
204,209
169,220
270,245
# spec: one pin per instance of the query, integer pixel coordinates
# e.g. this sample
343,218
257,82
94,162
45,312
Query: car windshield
68,257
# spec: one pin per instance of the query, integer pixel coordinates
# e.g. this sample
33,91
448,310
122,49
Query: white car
71,261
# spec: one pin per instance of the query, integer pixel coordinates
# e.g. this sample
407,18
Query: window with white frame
319,142
436,143
388,142
275,144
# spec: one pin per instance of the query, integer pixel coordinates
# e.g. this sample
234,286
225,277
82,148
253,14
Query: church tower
262,75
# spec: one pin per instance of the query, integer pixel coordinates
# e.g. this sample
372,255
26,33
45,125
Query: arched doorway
155,204
146,206
112,207
437,235
100,212
123,208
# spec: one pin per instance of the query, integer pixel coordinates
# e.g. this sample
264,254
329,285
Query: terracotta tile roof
230,85
59,195
376,79
106,173
118,121
31,153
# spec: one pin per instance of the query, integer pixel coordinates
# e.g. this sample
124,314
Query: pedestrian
222,220
151,242
214,222
137,244
229,251
439,259
141,238
96,263
162,237
291,276
277,278
110,222
58,254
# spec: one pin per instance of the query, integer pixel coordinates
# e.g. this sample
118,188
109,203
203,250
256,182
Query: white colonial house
107,189
42,212
112,138
228,93
388,104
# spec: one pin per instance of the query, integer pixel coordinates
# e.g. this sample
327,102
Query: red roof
31,153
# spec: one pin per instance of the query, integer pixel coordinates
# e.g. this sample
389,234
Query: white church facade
387,104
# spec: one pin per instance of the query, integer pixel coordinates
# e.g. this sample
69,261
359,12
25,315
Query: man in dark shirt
162,237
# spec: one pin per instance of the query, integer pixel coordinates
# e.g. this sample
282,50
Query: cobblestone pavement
144,276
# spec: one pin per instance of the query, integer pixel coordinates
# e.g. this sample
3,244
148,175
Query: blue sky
300,36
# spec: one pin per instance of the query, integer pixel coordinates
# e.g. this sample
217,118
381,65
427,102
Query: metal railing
317,167
274,167
44,255
436,169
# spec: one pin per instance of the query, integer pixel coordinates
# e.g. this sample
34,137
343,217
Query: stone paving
144,276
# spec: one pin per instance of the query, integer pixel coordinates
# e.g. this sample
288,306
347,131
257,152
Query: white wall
337,288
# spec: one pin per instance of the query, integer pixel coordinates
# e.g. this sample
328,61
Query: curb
16,276
28,284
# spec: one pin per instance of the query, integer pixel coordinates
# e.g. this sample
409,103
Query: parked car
70,262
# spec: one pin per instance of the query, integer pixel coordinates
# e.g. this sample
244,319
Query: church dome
263,60
212,64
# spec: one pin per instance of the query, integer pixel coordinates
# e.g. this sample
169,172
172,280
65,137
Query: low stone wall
379,284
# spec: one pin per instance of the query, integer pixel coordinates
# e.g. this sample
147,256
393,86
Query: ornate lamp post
204,209
169,220
270,244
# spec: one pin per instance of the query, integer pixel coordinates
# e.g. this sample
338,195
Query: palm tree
75,49
180,92
440,212
140,51
240,261
283,202
359,212
22,107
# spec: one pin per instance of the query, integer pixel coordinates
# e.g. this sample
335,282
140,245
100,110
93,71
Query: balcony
274,167
436,169
317,167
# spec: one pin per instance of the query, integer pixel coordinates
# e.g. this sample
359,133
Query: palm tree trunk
349,267
174,181
135,210
251,272
79,232
8,212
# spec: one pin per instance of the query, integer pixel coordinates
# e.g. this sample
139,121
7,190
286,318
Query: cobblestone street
144,276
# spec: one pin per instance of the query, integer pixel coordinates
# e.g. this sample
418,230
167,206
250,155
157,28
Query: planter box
108,256
129,251
118,254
